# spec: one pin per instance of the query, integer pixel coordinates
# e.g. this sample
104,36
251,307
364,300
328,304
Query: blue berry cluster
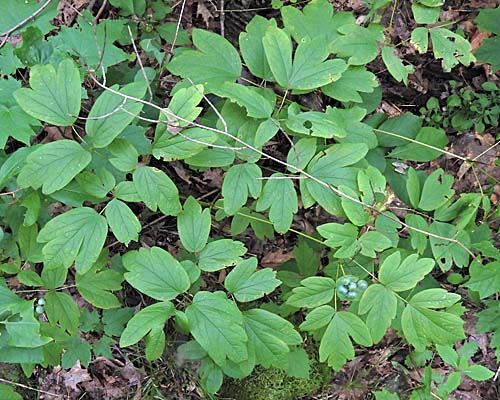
350,288
40,303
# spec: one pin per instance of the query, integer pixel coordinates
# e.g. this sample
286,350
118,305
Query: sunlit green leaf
247,284
217,325
76,236
54,97
156,273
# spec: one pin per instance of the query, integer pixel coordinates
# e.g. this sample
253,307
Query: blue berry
352,286
362,285
39,309
342,290
345,280
351,295
41,301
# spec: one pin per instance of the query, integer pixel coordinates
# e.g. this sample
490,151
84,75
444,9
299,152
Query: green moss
274,384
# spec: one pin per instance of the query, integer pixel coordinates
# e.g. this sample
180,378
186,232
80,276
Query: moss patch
274,384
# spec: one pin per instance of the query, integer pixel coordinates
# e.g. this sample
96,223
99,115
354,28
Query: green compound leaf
316,20
183,106
425,14
112,113
216,61
354,211
488,52
487,20
7,393
278,50
355,80
61,309
128,7
280,197
53,165
76,350
301,153
436,191
350,129
372,242
418,240
434,298
96,288
191,351
314,292
75,236
217,325
211,375
384,394
313,123
114,320
336,347
144,321
157,190
13,12
256,104
97,185
220,254
418,151
309,69
247,284
9,63
423,326
396,68
14,122
357,44
103,347
21,333
54,97
381,306
178,147
485,279
240,181
331,168
403,275
344,236
126,191
122,221
92,44
252,48
156,273
124,155
445,252
451,48
193,225
318,318
155,343
420,39
269,337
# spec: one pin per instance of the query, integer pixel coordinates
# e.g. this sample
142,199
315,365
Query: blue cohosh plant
63,198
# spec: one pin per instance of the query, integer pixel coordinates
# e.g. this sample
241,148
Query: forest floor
129,376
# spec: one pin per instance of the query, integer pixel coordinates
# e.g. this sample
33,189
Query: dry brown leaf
477,40
275,258
204,13
75,376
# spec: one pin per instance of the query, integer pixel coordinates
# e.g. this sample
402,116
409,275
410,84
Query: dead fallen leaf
204,13
275,258
75,376
477,40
